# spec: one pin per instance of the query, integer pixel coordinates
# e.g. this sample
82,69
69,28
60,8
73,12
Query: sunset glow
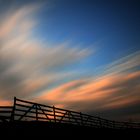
80,55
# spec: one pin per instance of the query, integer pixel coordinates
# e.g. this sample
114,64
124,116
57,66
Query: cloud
116,89
32,69
27,65
16,18
5,102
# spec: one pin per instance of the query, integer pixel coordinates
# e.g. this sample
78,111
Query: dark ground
60,131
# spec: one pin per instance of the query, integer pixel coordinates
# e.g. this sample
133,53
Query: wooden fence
5,113
30,111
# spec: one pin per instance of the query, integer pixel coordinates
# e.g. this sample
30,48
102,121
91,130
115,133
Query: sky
82,55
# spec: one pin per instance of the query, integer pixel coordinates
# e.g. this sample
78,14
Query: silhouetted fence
29,111
5,113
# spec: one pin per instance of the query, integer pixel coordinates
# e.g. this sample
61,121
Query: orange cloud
5,103
107,92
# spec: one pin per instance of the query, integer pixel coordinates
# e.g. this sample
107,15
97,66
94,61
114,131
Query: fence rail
5,113
29,111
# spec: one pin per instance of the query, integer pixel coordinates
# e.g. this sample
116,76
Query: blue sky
111,28
77,54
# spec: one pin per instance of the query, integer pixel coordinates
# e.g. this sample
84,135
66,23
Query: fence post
81,119
36,112
13,110
100,122
54,114
114,126
107,124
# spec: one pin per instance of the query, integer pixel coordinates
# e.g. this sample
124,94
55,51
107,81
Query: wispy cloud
117,88
28,65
